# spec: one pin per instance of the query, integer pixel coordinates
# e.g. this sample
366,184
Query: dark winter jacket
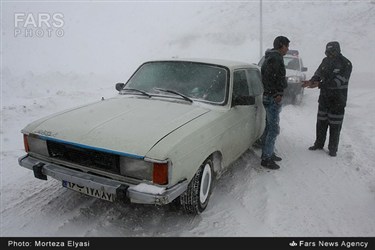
273,73
333,74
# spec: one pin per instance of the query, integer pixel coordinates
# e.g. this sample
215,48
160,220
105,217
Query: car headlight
35,145
294,79
157,172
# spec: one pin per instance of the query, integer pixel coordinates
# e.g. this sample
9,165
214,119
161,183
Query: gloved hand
309,84
306,84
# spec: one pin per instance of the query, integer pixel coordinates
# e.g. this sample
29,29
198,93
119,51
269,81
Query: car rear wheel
195,199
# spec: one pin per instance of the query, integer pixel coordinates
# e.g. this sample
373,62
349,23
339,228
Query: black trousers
329,117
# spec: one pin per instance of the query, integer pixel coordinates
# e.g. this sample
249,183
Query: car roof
231,64
292,56
293,52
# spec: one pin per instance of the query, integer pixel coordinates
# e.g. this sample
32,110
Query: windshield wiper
139,91
174,92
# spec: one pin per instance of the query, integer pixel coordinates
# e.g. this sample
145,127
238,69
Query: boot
315,147
276,158
332,153
270,164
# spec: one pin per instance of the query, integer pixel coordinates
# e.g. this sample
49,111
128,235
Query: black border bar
177,242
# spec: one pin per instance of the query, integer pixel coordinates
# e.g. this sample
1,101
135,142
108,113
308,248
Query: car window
301,63
255,82
240,83
261,62
292,63
247,82
202,82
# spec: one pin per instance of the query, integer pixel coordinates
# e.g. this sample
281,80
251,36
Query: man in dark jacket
274,83
332,78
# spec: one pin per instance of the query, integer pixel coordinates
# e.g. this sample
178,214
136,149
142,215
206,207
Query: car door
256,90
243,116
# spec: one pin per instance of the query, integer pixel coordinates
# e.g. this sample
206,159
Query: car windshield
197,81
291,63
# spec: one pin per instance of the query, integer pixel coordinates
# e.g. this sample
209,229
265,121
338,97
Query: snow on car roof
223,62
293,52
290,52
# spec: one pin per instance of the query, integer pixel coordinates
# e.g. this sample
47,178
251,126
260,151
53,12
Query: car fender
189,146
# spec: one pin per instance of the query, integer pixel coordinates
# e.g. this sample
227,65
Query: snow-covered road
312,194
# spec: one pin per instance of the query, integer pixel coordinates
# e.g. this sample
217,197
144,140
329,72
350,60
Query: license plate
89,191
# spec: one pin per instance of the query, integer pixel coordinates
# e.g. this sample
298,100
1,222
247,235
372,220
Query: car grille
85,157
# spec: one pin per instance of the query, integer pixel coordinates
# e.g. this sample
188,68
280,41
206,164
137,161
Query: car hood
123,124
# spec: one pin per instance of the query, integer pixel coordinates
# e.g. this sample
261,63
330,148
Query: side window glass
261,62
255,82
240,84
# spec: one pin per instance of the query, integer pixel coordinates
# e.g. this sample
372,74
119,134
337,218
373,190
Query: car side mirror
243,100
120,86
304,69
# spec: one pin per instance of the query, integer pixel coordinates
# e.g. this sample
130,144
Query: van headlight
294,79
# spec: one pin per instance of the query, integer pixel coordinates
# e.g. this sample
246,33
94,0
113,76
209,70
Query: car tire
195,199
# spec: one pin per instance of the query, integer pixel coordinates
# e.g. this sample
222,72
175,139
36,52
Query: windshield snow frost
197,81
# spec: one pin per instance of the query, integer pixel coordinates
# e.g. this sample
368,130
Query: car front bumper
294,87
120,189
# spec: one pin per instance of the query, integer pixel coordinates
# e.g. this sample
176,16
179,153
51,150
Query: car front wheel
195,199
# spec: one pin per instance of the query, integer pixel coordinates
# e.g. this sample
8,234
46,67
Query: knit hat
333,48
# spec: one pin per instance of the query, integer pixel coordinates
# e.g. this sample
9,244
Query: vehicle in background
295,73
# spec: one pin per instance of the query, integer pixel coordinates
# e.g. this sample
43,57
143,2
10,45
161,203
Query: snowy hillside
103,43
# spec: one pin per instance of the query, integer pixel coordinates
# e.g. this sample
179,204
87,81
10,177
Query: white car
173,127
